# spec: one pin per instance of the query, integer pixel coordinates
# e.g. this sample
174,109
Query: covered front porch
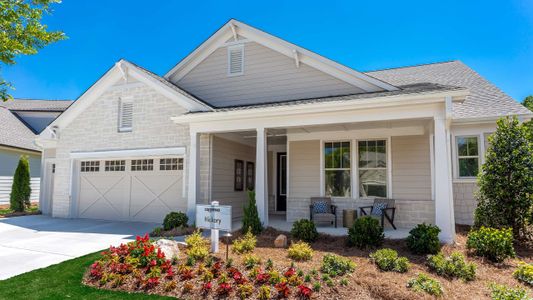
352,156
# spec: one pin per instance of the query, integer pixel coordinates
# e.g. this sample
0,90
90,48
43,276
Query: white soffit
221,36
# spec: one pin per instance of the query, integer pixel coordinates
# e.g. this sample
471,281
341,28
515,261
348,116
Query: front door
281,194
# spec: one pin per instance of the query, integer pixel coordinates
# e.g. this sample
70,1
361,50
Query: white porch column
261,185
193,175
444,214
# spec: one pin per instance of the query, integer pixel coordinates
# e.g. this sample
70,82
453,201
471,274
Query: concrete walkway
33,242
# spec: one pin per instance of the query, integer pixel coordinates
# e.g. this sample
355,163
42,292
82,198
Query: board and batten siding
269,76
225,152
411,168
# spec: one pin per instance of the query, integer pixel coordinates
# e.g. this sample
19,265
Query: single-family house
20,122
247,110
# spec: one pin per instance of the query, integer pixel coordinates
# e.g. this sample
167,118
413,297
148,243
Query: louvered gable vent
235,60
125,121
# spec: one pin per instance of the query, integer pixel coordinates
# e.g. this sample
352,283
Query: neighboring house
20,122
247,110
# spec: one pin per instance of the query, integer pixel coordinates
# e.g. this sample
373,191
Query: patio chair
381,209
322,211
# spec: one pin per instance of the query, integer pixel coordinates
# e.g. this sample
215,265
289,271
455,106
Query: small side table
348,217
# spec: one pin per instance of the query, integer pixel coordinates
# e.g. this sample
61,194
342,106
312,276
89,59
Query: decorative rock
168,247
280,241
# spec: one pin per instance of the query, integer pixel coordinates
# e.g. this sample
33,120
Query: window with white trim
125,115
170,164
372,168
235,60
467,156
90,166
115,165
337,169
142,165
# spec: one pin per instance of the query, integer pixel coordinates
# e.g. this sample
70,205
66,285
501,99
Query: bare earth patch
367,282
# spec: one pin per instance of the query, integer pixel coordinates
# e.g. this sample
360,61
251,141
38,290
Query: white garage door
143,189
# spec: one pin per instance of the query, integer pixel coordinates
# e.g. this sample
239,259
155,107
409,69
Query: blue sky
493,37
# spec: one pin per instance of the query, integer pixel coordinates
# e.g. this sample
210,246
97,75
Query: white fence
5,188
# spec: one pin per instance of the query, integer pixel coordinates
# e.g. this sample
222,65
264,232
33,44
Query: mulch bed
17,214
367,282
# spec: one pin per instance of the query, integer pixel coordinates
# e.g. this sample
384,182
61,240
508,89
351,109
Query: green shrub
494,244
157,231
365,232
335,265
502,292
524,273
300,251
304,230
424,239
388,260
250,219
175,219
424,283
245,243
250,261
20,189
197,246
506,179
453,266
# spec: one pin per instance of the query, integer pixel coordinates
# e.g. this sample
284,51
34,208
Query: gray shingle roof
485,99
13,133
36,105
410,89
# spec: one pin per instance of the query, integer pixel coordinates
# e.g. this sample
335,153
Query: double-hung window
372,168
337,168
467,156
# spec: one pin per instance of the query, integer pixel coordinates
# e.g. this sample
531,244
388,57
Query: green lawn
61,281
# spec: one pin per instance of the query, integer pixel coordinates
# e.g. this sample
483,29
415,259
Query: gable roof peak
234,28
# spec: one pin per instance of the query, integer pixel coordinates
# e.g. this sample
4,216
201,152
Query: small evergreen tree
21,190
250,220
505,197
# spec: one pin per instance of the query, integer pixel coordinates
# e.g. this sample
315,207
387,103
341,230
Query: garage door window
115,165
170,164
90,166
142,165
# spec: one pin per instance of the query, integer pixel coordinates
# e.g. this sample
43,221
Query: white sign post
214,217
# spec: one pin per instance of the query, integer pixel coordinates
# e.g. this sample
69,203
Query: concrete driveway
33,242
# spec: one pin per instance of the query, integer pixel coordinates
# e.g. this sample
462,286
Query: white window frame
479,156
230,48
323,168
121,127
387,169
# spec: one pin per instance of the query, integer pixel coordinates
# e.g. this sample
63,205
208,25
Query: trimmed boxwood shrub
335,265
365,232
494,244
524,273
388,260
175,219
304,230
453,266
424,239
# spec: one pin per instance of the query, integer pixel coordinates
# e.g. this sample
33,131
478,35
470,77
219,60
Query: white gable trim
118,73
219,38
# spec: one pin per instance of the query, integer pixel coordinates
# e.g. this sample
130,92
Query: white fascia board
147,152
490,119
363,81
331,106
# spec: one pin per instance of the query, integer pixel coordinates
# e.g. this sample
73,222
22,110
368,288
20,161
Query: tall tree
22,33
505,197
528,102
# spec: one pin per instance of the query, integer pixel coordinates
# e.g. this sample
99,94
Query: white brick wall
96,129
464,202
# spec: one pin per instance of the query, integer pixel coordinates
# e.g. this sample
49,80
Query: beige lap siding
225,152
464,202
96,129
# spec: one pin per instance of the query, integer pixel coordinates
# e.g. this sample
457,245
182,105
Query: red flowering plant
262,277
283,289
186,273
216,269
223,289
290,272
206,287
304,292
96,270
